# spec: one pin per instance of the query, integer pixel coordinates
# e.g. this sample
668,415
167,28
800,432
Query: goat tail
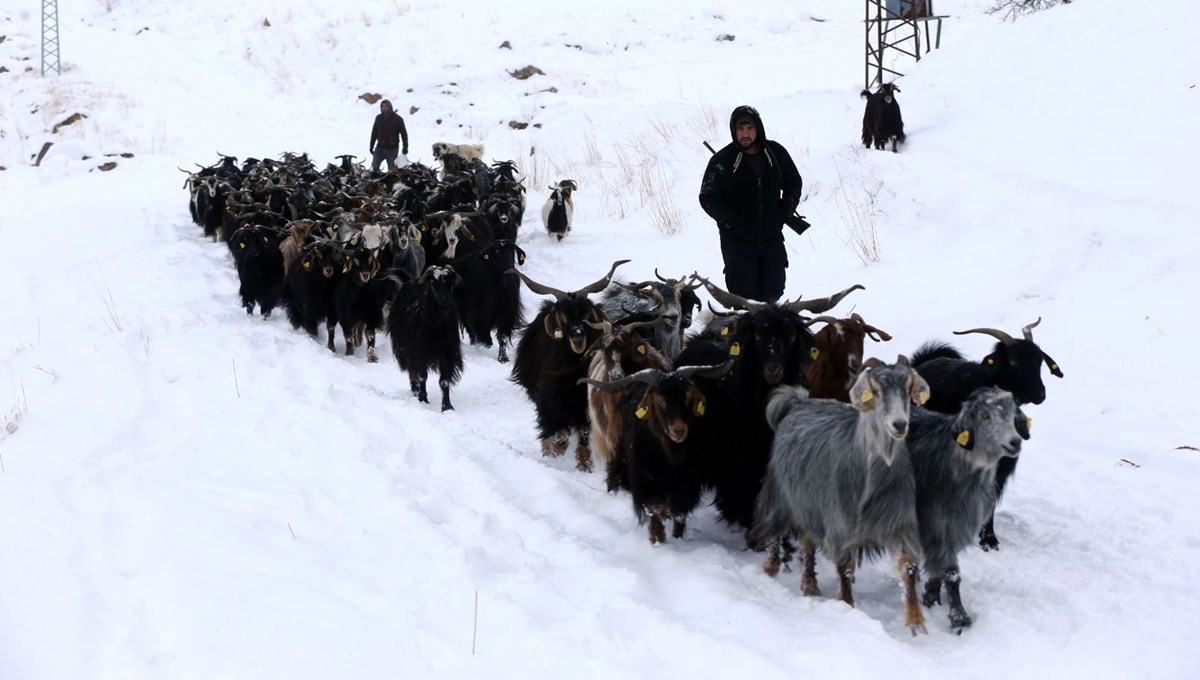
781,401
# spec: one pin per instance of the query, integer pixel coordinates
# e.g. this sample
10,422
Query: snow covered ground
188,492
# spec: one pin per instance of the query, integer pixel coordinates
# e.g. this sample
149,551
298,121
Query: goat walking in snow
559,209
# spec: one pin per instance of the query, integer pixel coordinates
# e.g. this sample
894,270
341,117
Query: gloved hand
372,150
404,150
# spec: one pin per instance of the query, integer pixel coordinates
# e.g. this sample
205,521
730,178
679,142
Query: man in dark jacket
385,137
750,188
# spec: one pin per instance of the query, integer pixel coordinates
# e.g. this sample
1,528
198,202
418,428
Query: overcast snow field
190,492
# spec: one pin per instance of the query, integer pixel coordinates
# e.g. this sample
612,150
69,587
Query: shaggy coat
423,324
259,267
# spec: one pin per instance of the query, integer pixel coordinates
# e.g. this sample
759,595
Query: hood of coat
747,113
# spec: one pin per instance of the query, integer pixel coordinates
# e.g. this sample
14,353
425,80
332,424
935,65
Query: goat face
253,241
324,256
362,265
568,320
671,403
1018,368
990,426
889,389
781,341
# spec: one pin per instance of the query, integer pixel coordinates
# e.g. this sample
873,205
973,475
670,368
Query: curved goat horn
605,327
730,300
827,319
716,371
720,314
538,288
818,305
1027,331
994,332
646,375
602,283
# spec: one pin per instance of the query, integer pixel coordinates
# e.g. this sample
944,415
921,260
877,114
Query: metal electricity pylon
50,37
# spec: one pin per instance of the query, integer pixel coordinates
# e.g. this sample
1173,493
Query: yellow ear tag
990,361
963,437
814,353
922,397
307,266
346,269
520,259
1028,422
641,412
558,334
700,409
241,245
487,257
1053,367
641,349
725,330
735,350
867,395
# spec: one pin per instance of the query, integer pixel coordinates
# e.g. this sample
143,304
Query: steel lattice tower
50,38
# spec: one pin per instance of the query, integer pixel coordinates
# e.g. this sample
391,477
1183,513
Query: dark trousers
756,276
384,153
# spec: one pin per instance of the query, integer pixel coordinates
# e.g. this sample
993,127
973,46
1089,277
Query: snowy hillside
189,492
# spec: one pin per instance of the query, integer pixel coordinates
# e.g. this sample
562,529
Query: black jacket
749,209
388,129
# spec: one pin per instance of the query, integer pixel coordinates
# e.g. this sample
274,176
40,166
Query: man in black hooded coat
386,134
750,188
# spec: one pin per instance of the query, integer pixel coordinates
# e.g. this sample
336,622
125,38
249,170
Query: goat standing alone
882,121
559,210
840,475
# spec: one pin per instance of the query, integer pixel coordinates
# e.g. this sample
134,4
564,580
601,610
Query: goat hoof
959,622
989,542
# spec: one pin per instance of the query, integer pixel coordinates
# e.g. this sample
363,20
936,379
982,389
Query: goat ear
697,399
966,439
1052,365
920,389
307,262
553,329
644,406
1023,423
861,396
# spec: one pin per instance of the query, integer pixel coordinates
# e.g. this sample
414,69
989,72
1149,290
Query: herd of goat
801,444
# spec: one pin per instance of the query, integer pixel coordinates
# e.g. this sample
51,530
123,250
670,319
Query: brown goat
839,356
296,234
619,352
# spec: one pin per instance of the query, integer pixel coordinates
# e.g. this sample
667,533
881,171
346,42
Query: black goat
360,296
311,281
423,324
1013,365
559,210
259,267
652,463
882,122
489,299
552,356
955,460
772,344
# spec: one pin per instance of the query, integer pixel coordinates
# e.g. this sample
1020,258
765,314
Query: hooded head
746,114
385,106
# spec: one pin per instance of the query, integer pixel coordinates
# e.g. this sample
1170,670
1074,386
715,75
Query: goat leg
774,558
330,328
372,355
959,619
987,535
678,526
808,581
444,383
502,357
658,533
933,590
845,591
583,452
558,443
914,616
